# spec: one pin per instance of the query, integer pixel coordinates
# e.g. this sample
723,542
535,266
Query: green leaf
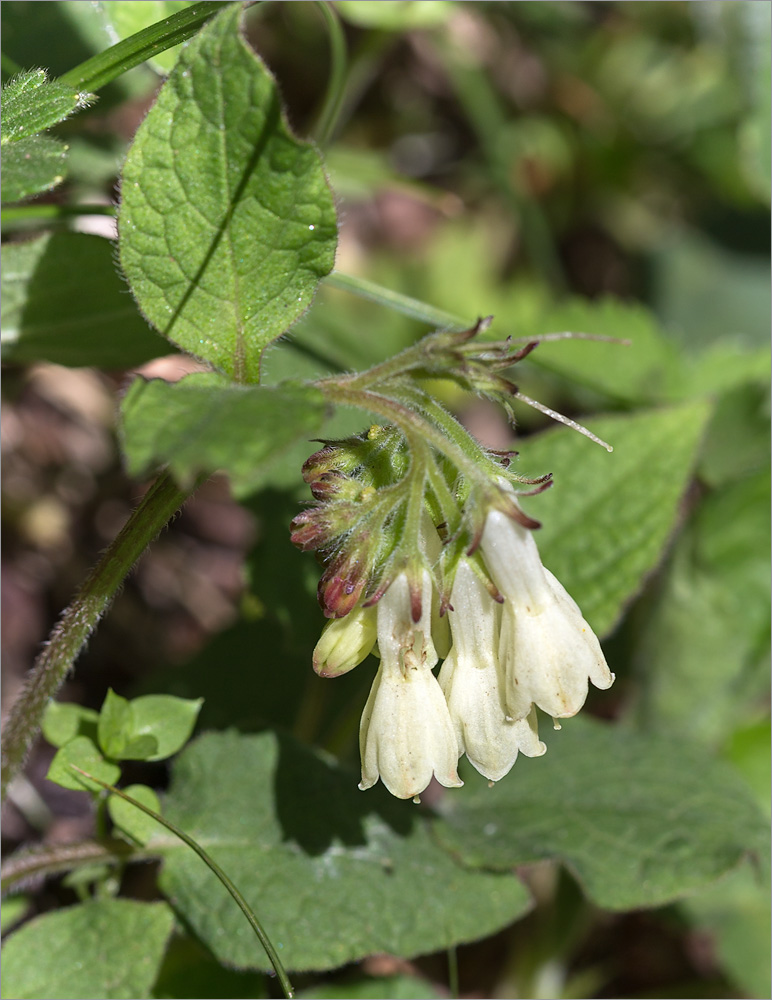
608,518
227,223
395,987
703,656
63,721
640,820
32,103
31,166
331,872
132,821
203,423
63,301
395,15
12,910
190,970
626,373
125,19
81,752
748,750
110,949
114,728
736,914
168,720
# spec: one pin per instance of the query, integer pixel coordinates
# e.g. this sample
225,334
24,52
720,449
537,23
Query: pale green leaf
137,824
107,949
12,910
395,15
227,223
31,166
82,753
32,103
168,720
63,301
63,721
640,820
608,517
333,873
127,17
114,727
204,423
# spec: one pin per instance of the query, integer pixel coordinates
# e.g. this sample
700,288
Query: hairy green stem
336,85
103,68
69,636
245,908
54,859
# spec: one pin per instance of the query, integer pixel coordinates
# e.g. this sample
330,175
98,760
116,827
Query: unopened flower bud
345,642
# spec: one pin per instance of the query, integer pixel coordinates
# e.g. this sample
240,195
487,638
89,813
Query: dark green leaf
63,301
395,987
31,166
639,819
333,873
227,223
82,753
608,518
33,103
107,949
204,423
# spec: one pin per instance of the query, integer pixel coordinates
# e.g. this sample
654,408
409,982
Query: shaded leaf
227,223
334,874
107,949
641,820
31,166
203,423
63,301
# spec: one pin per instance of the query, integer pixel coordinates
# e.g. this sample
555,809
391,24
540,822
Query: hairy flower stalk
428,554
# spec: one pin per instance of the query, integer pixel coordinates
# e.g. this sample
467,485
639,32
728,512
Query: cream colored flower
406,734
345,642
547,650
471,680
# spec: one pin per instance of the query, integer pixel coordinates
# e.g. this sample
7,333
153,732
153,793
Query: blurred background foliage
602,167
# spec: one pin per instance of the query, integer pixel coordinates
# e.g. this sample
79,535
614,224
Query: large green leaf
703,657
608,518
227,223
333,873
63,301
204,423
108,949
640,820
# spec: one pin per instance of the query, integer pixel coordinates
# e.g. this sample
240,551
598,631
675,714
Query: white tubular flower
345,642
470,679
547,650
406,734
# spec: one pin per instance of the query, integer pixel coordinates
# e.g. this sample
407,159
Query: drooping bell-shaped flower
547,650
406,734
471,680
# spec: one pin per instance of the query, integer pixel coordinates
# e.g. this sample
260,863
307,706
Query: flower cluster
511,638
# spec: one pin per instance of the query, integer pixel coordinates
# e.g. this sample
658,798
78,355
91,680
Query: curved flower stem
245,908
70,634
333,99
